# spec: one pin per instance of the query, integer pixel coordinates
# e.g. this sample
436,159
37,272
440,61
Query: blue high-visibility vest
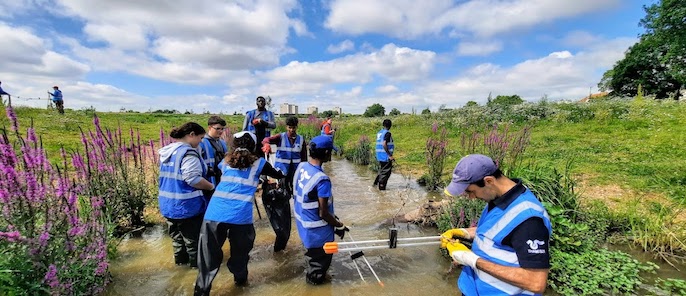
232,201
381,154
287,154
266,116
313,230
208,153
177,199
493,227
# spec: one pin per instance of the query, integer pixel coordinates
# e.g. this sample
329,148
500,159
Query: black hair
214,119
497,174
387,123
292,121
241,158
319,153
185,129
260,97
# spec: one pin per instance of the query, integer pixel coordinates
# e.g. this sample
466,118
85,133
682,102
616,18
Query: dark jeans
210,256
276,204
184,234
385,168
318,263
60,106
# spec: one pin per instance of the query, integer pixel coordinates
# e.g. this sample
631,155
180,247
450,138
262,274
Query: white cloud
411,19
387,89
581,39
484,48
345,45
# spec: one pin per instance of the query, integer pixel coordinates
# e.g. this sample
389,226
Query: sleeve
324,189
191,169
270,171
247,120
303,152
531,241
2,92
387,137
275,139
271,123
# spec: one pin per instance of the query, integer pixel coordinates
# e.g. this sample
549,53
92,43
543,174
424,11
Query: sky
217,56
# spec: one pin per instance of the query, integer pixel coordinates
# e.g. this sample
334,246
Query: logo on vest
533,246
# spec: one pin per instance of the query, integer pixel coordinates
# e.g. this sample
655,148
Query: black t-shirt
530,239
387,137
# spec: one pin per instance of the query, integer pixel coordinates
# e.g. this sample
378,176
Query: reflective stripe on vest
381,154
493,227
306,178
177,199
232,201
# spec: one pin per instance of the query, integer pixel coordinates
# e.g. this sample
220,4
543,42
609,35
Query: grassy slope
644,152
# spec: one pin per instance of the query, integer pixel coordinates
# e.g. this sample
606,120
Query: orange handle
331,248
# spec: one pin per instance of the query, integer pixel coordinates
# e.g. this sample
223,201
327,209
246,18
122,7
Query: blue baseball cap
322,142
470,169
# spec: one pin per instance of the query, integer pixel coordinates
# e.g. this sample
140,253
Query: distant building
338,109
287,109
312,110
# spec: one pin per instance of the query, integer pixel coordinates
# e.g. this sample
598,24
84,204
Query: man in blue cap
509,254
314,212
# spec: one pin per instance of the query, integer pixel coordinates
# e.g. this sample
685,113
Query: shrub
361,152
436,153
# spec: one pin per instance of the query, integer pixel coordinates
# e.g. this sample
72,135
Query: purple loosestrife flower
434,127
51,277
11,236
102,267
13,118
43,239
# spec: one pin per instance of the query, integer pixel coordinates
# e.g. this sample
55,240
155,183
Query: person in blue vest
229,214
57,99
259,121
213,150
314,210
181,200
509,254
384,154
2,92
290,151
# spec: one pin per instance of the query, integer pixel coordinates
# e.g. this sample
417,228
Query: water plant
436,153
361,152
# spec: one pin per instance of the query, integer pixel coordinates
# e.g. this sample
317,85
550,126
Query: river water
145,265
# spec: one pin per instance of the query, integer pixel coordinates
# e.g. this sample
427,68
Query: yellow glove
451,234
462,255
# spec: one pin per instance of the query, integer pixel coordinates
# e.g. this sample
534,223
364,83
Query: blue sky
214,55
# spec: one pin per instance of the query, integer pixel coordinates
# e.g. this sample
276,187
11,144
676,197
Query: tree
375,110
658,60
506,101
426,111
394,112
471,104
328,113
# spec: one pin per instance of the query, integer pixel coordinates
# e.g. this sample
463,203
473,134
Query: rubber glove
340,231
451,234
462,255
266,148
256,121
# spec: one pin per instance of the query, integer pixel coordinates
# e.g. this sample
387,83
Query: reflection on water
145,265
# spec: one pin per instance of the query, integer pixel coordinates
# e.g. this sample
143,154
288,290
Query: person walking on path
2,92
229,214
384,154
213,150
509,254
259,121
290,151
181,199
314,210
57,99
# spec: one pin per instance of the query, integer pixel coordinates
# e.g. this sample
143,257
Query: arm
275,139
247,120
270,171
387,138
530,279
271,123
303,152
191,170
326,216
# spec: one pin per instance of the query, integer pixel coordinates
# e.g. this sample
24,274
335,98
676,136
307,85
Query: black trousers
318,263
60,106
184,234
210,256
385,168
